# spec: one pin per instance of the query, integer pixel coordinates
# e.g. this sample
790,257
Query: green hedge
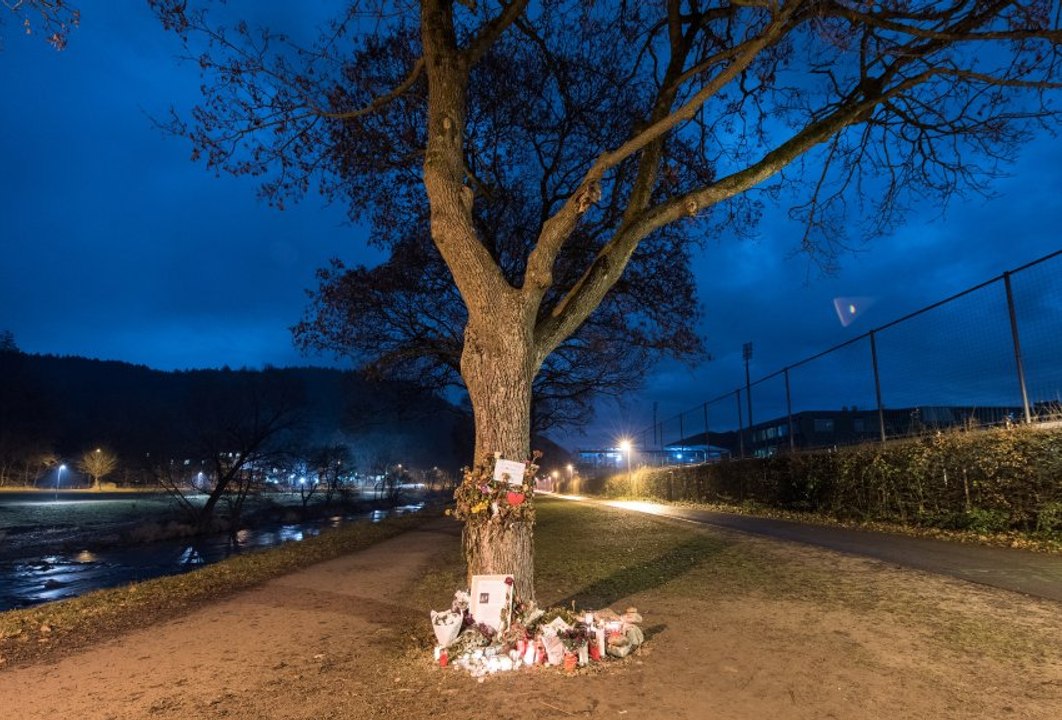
986,481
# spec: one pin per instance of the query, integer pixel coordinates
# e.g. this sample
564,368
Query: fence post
746,352
741,425
707,442
789,412
1017,347
877,384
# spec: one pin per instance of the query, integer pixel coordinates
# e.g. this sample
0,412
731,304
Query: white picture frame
491,600
515,470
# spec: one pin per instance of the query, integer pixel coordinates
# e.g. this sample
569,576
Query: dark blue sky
116,246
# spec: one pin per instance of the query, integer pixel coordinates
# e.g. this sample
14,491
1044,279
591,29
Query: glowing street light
58,475
625,446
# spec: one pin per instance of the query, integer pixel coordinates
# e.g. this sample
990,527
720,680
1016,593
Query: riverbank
738,627
36,524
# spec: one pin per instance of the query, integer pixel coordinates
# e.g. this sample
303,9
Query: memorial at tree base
486,631
489,628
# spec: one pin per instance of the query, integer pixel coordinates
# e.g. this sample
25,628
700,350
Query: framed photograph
514,470
492,600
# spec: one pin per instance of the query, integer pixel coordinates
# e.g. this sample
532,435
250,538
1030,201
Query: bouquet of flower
474,637
447,625
575,637
461,602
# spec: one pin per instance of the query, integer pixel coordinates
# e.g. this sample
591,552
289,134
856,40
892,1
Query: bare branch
380,100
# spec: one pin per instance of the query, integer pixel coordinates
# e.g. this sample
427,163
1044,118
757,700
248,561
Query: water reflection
191,557
56,577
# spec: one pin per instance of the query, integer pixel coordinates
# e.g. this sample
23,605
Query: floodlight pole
1017,348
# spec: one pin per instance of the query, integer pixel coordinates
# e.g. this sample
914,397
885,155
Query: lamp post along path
625,446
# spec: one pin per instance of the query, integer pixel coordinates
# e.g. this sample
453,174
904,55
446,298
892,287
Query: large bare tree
406,318
97,464
645,118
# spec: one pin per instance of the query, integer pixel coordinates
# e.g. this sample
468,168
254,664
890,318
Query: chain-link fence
989,355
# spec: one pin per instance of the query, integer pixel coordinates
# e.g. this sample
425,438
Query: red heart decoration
515,498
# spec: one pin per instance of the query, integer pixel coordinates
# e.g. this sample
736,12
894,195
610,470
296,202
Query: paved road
1036,574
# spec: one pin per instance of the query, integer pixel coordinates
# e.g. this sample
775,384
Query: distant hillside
67,405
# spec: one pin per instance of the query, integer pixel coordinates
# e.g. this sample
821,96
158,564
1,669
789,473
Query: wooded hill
64,406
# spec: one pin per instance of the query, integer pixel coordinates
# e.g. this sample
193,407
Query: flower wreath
481,498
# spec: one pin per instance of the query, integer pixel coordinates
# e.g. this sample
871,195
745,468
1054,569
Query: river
33,579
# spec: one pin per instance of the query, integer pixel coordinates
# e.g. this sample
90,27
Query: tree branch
490,33
377,102
556,230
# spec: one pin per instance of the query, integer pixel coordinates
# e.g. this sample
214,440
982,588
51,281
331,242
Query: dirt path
321,643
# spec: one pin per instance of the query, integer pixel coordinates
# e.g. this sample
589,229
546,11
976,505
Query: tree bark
498,365
493,549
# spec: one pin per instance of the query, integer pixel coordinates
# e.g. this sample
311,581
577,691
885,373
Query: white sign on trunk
514,470
492,600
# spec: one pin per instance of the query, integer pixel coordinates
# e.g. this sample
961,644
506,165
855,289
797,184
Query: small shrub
982,520
1049,519
978,520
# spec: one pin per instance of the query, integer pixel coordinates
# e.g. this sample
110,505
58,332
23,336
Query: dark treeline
55,409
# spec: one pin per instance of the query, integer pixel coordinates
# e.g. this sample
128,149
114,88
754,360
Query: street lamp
625,446
58,475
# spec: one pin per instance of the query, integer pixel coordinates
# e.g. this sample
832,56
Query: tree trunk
498,367
493,549
498,361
